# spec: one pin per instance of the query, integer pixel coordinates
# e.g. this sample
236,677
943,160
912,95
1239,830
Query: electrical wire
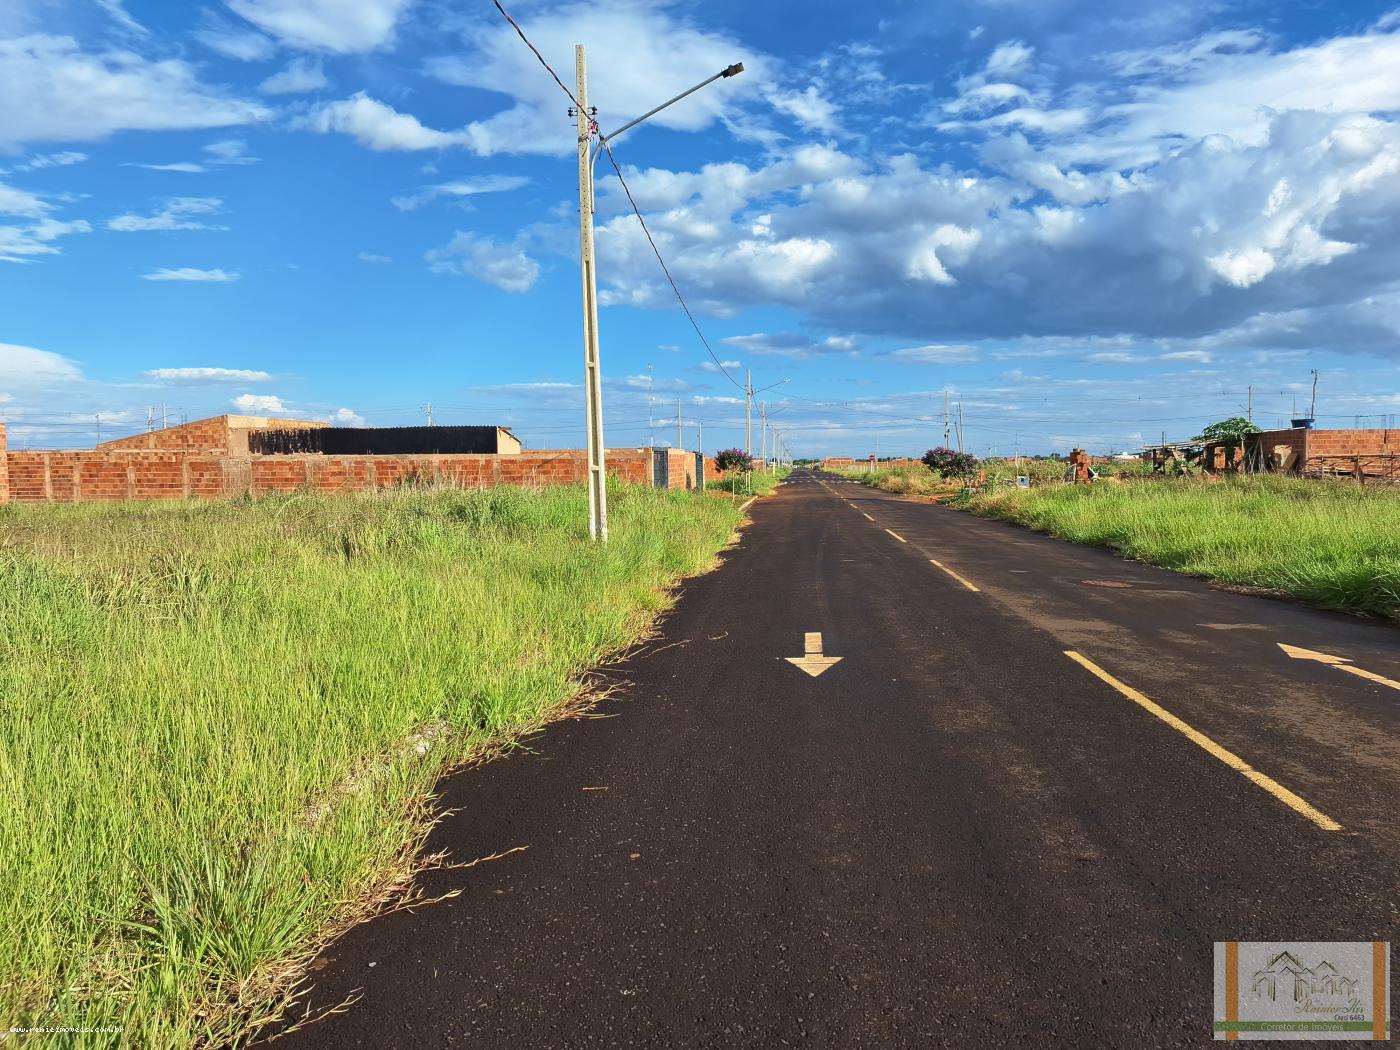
630,199
666,269
549,69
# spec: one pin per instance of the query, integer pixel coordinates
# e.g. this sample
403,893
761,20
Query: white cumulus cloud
935,354
379,126
301,76
55,91
460,188
340,26
25,364
190,273
504,265
174,214
259,403
196,376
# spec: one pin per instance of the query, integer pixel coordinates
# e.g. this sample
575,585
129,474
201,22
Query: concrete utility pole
429,409
947,422
763,415
748,412
593,380
1312,408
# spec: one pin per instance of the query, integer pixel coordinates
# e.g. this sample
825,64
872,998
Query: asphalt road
958,835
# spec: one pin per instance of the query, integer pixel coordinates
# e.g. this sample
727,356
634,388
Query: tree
733,459
949,463
1230,431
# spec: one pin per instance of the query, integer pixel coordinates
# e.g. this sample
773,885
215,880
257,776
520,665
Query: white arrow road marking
1341,663
813,662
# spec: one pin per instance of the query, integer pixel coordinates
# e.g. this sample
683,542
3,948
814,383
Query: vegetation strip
1331,543
222,722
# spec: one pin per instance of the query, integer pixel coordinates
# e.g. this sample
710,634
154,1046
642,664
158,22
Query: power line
665,269
549,69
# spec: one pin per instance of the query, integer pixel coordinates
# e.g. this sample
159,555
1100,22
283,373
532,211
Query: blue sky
1089,222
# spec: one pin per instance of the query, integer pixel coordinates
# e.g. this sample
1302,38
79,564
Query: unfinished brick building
218,458
1367,455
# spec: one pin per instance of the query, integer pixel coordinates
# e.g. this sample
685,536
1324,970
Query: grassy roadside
1333,544
220,721
755,483
906,481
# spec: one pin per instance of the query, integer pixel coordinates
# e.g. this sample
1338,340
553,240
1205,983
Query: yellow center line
1362,673
867,516
1198,738
892,533
962,580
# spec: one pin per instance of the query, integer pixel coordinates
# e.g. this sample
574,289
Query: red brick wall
218,434
1336,450
524,469
712,472
204,434
1268,440
680,467
4,469
168,474
1353,442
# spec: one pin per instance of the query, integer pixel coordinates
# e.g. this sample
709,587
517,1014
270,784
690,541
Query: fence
78,476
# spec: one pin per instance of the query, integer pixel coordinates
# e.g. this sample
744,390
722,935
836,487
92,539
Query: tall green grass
1333,544
219,722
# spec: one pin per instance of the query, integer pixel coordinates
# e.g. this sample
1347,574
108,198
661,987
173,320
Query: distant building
1363,454
383,441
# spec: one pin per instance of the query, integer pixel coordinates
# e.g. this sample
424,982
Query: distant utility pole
150,419
947,422
1249,404
1312,409
763,414
593,380
429,409
98,417
960,427
164,424
748,412
749,392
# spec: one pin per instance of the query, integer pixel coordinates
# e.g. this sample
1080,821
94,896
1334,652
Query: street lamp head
733,71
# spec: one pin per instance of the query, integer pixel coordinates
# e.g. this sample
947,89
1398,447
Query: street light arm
728,71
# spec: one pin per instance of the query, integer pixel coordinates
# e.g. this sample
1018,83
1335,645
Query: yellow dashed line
1198,738
867,516
892,533
962,580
